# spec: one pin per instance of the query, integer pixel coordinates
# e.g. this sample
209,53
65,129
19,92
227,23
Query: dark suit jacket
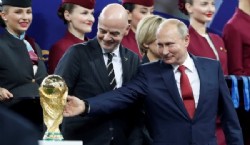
16,68
167,117
15,130
85,73
16,75
59,48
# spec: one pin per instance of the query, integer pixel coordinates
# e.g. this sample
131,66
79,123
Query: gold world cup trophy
53,94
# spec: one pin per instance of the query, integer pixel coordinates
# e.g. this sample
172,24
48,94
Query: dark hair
181,5
65,7
2,23
129,6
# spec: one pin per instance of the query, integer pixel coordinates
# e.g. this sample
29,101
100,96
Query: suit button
33,80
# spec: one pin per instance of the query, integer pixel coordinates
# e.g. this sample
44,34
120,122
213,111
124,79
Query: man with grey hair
182,93
97,66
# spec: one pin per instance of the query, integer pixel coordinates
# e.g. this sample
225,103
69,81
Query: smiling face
112,26
17,20
110,34
138,13
172,41
201,10
80,19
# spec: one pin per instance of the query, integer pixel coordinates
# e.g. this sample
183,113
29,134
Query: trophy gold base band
55,136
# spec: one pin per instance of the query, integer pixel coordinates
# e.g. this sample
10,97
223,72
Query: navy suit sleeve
121,98
229,118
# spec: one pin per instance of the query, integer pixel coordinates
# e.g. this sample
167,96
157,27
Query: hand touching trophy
53,93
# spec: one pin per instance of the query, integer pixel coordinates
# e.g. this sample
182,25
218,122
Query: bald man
183,94
85,69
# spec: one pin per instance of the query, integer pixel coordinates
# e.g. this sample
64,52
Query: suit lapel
201,70
169,79
125,64
99,66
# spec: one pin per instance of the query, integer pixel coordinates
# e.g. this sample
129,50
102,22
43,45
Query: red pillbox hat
89,4
147,3
17,3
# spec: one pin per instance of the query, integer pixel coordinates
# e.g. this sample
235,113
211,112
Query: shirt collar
21,37
115,51
188,63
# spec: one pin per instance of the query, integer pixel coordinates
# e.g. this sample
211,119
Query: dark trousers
29,109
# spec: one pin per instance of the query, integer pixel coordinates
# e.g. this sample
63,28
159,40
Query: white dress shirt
193,77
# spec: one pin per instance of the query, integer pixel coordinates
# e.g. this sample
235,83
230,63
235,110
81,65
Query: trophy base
64,142
53,136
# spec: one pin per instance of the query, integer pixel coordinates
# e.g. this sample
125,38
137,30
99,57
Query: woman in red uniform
78,15
202,43
237,41
137,9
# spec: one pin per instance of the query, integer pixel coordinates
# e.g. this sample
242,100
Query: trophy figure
53,93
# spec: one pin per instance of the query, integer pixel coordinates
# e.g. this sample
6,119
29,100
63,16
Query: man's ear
187,40
127,30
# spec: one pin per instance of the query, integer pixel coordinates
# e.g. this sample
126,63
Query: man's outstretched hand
74,106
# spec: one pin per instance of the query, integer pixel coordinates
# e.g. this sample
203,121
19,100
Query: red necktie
186,92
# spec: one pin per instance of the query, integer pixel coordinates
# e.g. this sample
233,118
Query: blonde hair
146,31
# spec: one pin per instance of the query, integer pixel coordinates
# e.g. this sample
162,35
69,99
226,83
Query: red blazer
129,42
199,46
237,41
59,48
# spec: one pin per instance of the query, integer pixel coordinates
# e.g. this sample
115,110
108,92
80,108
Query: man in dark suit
14,130
85,70
177,114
